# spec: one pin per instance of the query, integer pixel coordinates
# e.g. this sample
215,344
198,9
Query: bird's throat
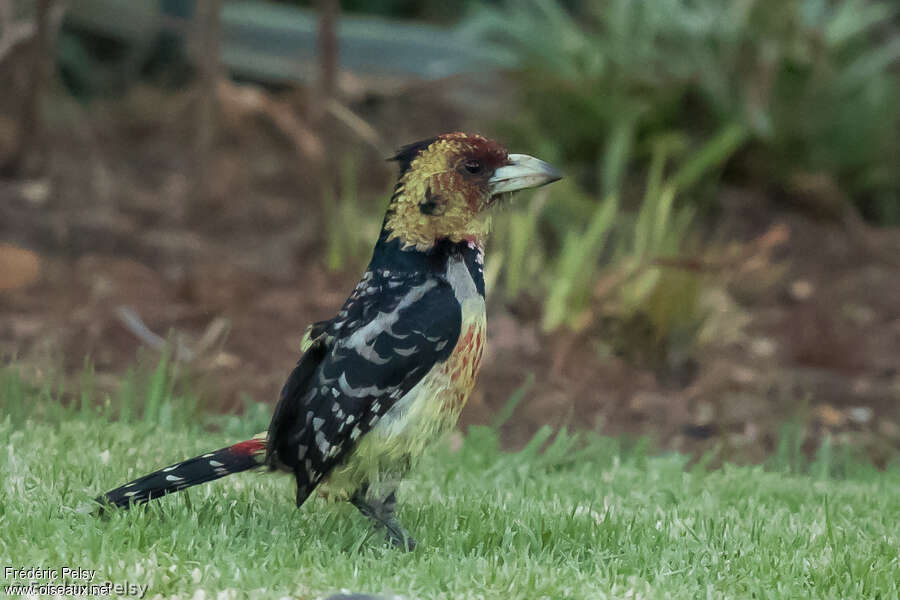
457,222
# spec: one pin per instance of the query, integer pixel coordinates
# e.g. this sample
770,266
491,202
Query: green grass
564,517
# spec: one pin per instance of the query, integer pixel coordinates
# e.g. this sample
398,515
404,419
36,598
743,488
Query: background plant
649,105
813,82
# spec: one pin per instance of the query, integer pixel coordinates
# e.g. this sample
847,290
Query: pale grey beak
523,172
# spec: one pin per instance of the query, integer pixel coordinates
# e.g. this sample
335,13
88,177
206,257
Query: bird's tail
200,469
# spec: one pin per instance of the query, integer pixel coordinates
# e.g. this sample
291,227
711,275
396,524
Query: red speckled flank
464,363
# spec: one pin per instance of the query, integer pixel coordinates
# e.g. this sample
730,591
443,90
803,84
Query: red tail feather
254,446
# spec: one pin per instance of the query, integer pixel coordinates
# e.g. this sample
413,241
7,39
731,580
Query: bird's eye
473,166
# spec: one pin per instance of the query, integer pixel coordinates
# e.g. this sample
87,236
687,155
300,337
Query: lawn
565,517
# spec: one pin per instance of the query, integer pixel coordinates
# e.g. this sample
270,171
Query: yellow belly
419,419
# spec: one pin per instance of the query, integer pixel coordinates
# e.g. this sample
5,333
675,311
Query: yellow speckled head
448,182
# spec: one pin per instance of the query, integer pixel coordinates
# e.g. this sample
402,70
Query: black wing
389,334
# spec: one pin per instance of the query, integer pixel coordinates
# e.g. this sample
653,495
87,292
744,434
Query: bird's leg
394,531
382,512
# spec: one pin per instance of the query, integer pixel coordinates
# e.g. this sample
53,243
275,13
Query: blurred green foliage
647,106
345,212
813,82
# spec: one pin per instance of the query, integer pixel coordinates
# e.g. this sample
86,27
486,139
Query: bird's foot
397,536
381,512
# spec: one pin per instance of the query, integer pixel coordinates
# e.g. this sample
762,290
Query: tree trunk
28,155
208,30
327,52
328,47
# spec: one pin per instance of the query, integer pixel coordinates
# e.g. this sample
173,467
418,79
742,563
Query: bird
388,375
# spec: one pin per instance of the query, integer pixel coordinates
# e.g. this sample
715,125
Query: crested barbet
382,380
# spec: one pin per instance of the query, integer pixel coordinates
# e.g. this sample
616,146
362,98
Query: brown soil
804,325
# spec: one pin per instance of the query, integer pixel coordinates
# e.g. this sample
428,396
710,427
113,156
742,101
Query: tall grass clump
349,228
813,83
648,106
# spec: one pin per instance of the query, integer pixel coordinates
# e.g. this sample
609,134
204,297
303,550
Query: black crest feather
409,152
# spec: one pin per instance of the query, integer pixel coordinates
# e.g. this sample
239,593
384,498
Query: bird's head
448,185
